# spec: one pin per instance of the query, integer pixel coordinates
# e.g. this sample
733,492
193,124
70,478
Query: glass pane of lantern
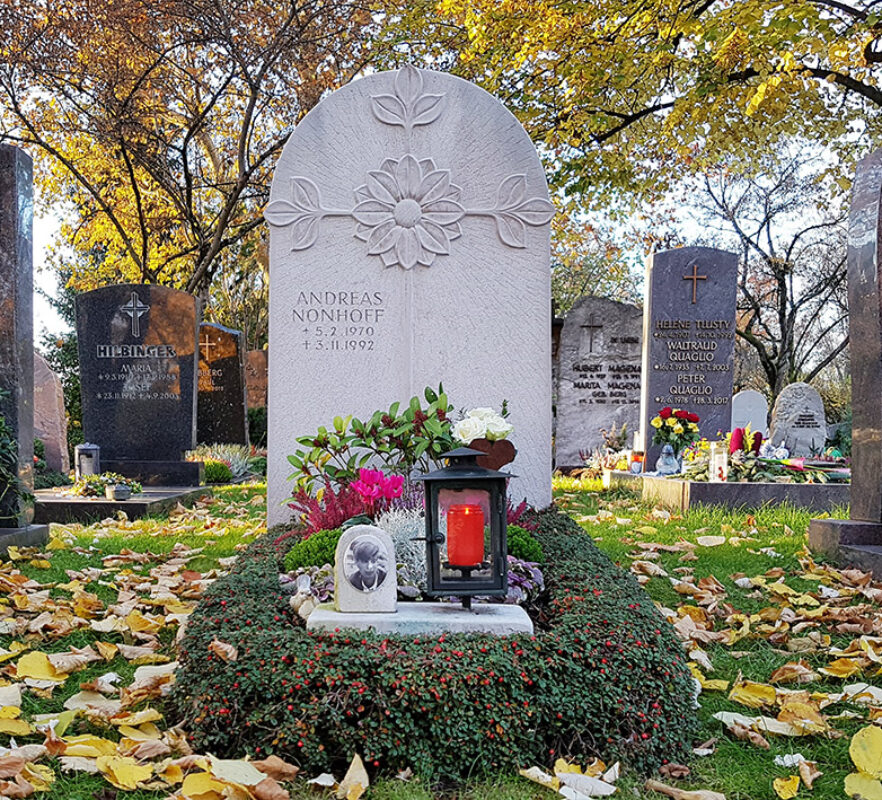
464,521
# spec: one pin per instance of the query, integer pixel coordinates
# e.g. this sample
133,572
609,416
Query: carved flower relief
408,212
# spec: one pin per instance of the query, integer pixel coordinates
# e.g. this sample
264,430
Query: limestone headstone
689,338
409,245
365,578
221,413
256,378
798,420
50,418
599,376
138,365
17,322
750,407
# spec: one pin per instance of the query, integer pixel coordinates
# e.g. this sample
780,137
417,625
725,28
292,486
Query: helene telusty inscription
408,211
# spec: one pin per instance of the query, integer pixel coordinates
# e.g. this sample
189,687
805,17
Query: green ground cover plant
602,675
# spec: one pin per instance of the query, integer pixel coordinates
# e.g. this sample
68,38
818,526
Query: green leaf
430,394
393,409
421,448
338,423
322,430
415,404
433,425
402,429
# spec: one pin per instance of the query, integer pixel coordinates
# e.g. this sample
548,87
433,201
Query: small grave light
466,527
87,460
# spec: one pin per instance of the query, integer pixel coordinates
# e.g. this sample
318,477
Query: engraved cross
205,345
591,327
135,309
695,278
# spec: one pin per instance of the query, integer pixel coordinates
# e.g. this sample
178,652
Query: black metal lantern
466,525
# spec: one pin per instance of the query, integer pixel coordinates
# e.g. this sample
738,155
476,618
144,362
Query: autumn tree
158,124
792,304
623,95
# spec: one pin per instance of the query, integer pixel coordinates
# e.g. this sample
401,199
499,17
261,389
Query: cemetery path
788,652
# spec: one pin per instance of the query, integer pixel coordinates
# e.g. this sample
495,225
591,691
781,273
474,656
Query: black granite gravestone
688,339
222,417
858,540
138,365
16,343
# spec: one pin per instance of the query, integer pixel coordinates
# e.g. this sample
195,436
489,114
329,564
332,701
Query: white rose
469,429
498,428
482,413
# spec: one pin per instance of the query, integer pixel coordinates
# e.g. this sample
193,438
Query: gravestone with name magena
750,407
689,339
798,421
857,541
138,368
17,330
256,378
221,413
50,418
599,376
409,245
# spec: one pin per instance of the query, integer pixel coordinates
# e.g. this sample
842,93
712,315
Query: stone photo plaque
689,339
798,420
138,364
599,376
409,246
221,414
365,576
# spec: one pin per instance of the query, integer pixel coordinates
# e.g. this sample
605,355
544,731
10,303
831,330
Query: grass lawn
125,581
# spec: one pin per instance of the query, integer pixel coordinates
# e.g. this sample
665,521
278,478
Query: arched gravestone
409,245
138,365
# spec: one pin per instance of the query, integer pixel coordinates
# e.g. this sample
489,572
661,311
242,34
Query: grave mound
604,675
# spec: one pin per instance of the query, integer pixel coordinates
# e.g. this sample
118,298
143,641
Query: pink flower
394,485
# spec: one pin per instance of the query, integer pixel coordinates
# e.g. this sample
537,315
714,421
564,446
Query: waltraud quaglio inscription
339,321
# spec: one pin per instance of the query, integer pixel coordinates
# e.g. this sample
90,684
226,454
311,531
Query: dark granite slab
222,417
689,339
158,473
26,536
52,506
138,365
17,322
681,495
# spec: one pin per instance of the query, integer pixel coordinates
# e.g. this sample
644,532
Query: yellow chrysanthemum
657,422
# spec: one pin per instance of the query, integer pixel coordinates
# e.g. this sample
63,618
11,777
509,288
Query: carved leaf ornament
408,211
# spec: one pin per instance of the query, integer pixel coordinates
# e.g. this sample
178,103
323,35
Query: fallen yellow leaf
866,751
786,788
123,772
859,784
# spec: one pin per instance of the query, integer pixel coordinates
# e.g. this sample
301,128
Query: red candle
465,535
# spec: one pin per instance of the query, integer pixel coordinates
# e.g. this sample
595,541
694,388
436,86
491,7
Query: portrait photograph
365,565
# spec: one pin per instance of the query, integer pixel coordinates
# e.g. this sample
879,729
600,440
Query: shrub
329,509
523,546
316,551
412,440
217,471
603,676
403,526
257,426
94,485
45,478
235,456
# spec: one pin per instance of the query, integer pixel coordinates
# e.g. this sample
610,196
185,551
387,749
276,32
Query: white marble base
428,618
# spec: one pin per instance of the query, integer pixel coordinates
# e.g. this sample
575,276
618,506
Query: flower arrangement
377,489
676,427
482,423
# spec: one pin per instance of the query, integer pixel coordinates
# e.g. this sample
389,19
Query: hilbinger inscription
692,349
339,321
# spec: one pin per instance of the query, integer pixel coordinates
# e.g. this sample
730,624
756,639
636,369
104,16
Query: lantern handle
436,539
